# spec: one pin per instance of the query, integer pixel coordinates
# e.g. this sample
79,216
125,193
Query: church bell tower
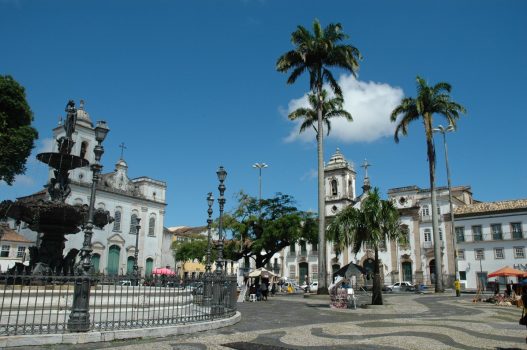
339,180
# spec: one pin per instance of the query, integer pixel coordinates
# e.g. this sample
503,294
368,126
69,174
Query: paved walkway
406,321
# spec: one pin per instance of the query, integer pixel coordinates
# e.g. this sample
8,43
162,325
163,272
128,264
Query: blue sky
191,85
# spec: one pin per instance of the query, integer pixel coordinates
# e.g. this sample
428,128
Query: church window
425,211
428,235
334,187
117,220
84,148
151,226
133,224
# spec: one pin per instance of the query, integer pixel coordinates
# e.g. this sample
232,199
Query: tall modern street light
222,174
136,252
79,320
443,131
260,166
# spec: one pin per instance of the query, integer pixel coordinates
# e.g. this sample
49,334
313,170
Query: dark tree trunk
376,298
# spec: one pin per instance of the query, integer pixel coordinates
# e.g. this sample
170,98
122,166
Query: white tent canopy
261,272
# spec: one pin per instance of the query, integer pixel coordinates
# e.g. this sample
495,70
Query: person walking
265,291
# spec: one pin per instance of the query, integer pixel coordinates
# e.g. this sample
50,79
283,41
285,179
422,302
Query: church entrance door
149,266
303,271
130,265
113,260
407,271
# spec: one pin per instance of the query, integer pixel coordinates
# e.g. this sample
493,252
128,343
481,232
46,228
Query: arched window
133,224
151,226
334,187
84,148
117,218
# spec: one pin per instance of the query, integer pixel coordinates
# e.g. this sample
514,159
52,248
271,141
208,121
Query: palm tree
315,53
430,100
330,108
374,223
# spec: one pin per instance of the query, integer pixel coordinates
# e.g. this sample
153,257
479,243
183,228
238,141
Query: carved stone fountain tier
46,216
62,161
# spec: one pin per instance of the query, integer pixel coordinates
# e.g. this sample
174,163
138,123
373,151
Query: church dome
337,158
83,118
337,161
121,164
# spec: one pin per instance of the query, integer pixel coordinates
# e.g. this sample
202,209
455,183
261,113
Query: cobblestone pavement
406,321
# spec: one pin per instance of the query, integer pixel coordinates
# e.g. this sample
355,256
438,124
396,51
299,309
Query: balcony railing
430,244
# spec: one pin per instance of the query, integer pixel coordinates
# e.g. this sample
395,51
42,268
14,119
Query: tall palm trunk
376,298
435,221
322,270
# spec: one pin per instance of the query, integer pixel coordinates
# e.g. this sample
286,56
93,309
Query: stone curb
93,337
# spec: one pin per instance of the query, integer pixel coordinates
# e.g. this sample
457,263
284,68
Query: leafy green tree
261,229
316,52
330,108
374,223
430,100
16,134
193,248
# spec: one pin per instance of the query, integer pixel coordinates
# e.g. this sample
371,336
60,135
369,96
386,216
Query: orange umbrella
506,271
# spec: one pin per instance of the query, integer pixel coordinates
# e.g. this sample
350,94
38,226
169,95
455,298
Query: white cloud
370,105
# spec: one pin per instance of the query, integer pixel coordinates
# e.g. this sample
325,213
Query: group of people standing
262,288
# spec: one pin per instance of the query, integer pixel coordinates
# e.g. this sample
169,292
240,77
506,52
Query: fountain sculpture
53,218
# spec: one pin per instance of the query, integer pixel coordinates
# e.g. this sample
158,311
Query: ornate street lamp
222,174
210,202
79,320
207,290
443,131
136,252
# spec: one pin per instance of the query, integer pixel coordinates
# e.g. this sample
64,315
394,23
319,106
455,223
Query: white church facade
126,199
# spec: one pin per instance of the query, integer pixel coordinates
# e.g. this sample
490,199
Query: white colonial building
126,199
490,236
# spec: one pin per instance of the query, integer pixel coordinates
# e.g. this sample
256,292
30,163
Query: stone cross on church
122,147
366,187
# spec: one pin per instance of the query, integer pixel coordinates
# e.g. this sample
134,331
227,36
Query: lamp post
207,286
260,166
210,202
443,131
222,174
79,320
136,252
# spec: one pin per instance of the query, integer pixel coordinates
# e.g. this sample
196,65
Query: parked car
313,287
404,286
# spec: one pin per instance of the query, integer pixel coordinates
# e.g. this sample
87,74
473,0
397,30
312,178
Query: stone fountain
49,214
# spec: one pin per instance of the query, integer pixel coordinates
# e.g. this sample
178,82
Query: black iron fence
42,304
